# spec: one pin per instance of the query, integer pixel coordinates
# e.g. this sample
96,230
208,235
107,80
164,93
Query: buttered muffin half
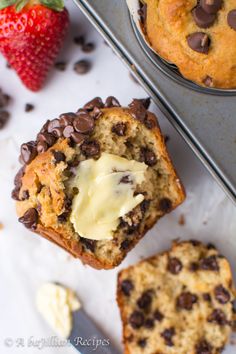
95,181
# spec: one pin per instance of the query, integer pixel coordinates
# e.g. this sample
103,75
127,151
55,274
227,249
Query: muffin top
197,36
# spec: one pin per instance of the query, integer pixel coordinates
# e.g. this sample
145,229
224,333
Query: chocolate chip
88,47
199,42
125,245
231,18
209,263
165,205
60,65
194,267
47,138
89,244
79,40
138,110
4,118
95,102
203,347
149,323
150,122
63,217
90,148
82,67
29,107
58,132
55,123
69,129
18,177
144,302
30,219
174,265
206,297
142,342
144,205
202,18
45,127
221,294
142,13
211,6
186,301
67,118
28,152
15,194
25,195
96,113
126,179
219,317
119,129
77,138
195,243
126,287
42,146
111,101
167,334
58,156
148,156
158,316
136,320
84,124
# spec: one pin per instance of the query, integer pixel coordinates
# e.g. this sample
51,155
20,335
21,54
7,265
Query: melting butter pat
106,193
56,304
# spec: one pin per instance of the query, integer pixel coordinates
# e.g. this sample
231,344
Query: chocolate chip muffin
95,181
199,36
177,302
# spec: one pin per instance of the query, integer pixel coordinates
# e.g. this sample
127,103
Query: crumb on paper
1,226
182,220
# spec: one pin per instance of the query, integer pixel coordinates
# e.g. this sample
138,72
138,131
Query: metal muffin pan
205,117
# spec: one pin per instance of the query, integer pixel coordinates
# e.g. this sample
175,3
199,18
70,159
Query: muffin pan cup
205,117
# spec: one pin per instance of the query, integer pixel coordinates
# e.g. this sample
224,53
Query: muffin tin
204,117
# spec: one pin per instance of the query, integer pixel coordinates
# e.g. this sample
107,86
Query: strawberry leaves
20,5
57,5
6,3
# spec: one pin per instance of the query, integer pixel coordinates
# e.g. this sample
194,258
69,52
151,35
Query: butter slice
56,304
103,198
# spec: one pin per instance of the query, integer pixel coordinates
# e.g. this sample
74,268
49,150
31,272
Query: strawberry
31,35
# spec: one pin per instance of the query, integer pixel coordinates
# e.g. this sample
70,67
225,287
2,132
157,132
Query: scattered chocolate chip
166,138
145,300
174,265
195,243
149,323
206,297
18,177
165,204
30,219
58,156
53,124
84,124
231,18
126,287
209,263
95,102
142,12
125,245
42,146
194,267
202,18
89,244
67,118
90,148
167,334
208,81
186,300
148,156
69,129
58,132
4,118
77,138
63,217
158,316
96,113
25,195
28,152
150,122
15,194
119,129
88,47
82,67
138,110
219,317
45,127
48,138
142,342
211,6
126,179
60,65
111,101
29,107
221,294
199,42
203,347
136,319
79,40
